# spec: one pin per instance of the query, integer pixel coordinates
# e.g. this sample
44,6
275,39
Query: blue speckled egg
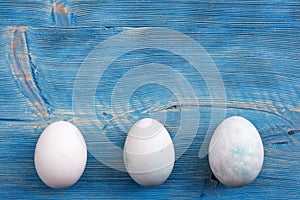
236,152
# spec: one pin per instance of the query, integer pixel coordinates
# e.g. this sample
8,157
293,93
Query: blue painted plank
25,13
35,13
254,45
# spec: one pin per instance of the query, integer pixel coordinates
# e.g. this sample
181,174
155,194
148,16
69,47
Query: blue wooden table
253,45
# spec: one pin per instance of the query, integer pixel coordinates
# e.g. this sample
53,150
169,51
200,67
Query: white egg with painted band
149,154
60,155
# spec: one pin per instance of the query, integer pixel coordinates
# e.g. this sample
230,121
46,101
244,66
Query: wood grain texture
255,45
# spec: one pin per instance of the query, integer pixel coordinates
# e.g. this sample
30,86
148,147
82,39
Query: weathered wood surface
254,44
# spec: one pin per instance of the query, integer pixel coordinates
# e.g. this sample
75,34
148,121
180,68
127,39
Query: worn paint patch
291,108
19,61
61,13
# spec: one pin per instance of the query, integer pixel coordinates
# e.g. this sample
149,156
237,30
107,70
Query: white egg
149,154
60,155
236,152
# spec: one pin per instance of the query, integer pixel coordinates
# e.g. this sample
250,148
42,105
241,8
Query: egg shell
149,154
60,155
236,152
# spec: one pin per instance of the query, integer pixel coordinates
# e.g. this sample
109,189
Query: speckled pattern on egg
236,152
